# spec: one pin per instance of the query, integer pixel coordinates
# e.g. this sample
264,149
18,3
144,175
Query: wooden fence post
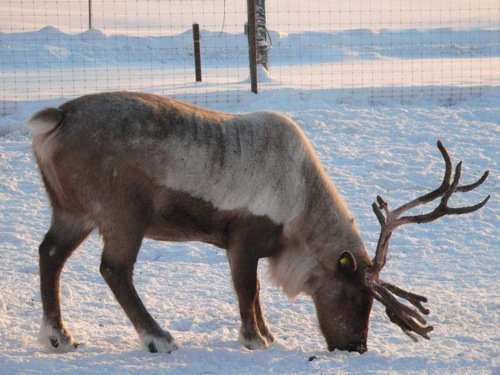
261,34
90,14
197,54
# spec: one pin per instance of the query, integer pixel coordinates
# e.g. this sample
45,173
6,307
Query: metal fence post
252,45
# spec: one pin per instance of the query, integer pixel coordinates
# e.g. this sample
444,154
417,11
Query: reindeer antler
404,316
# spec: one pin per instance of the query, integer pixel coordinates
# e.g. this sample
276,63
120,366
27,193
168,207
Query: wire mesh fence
379,49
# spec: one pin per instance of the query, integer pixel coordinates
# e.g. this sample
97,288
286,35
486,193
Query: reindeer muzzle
359,347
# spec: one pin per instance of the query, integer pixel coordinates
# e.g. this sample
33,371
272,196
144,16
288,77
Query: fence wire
378,49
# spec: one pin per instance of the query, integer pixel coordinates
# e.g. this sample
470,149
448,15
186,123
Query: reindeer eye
344,262
347,262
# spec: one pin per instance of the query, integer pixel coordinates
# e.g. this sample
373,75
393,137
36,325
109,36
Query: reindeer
136,165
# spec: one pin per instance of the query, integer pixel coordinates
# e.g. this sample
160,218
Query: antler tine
445,184
385,234
415,299
444,188
392,303
466,188
405,317
378,213
442,209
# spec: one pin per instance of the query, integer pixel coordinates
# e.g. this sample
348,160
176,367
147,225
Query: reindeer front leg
261,322
254,333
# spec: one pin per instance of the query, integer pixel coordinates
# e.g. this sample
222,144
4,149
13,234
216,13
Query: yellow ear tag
344,261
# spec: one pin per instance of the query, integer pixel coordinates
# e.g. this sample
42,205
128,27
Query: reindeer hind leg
64,236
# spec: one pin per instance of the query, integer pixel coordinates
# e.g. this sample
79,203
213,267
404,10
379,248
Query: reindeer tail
46,121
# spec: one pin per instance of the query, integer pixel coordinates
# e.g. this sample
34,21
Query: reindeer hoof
55,343
56,340
268,336
152,348
161,347
63,343
254,343
159,344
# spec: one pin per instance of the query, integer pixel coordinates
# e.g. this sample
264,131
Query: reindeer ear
347,262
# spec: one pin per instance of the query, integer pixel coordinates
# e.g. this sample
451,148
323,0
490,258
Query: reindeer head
343,303
410,320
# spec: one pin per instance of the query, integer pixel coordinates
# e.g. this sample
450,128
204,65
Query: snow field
367,150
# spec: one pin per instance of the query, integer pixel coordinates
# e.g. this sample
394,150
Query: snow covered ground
367,150
372,141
